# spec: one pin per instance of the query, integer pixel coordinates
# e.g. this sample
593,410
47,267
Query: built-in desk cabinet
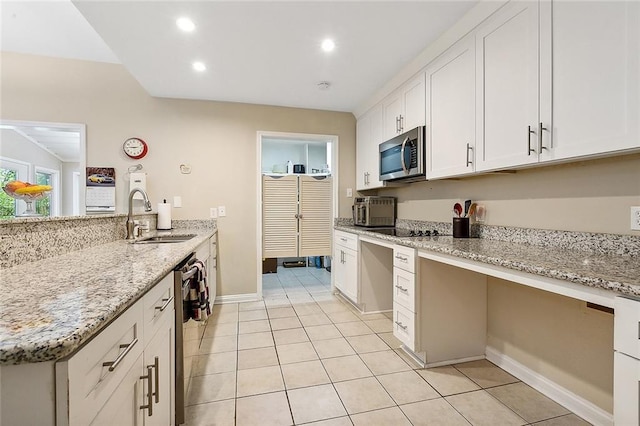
626,376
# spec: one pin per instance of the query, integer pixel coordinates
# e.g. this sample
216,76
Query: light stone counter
50,307
588,267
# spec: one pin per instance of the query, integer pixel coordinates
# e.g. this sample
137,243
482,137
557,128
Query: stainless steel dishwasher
182,275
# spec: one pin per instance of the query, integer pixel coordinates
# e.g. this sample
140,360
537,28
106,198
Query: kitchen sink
165,239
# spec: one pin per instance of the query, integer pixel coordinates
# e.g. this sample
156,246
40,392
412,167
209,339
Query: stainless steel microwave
403,156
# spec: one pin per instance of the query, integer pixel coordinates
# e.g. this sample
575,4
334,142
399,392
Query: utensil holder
460,227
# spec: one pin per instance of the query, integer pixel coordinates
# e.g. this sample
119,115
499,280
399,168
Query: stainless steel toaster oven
374,211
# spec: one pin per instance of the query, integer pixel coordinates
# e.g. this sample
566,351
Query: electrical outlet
213,212
177,201
222,211
635,218
349,192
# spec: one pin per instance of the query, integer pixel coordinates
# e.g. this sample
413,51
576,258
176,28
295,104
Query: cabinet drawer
404,258
404,288
89,382
158,304
404,326
202,252
346,239
626,331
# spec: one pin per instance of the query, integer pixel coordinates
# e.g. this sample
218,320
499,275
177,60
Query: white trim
575,403
237,298
334,140
453,361
56,199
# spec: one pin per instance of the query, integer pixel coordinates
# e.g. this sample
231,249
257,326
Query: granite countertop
50,307
617,273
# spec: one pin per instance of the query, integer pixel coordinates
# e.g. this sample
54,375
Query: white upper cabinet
557,80
368,137
590,77
404,109
450,112
507,82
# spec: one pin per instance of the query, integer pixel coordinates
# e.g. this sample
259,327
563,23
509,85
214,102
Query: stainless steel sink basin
165,239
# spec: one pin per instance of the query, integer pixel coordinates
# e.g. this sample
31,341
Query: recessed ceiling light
186,24
199,66
328,45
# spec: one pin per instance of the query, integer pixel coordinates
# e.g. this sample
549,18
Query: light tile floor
304,356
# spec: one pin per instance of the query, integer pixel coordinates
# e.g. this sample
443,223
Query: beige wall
217,139
588,196
555,336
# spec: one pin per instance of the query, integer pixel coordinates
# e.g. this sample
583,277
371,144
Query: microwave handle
404,166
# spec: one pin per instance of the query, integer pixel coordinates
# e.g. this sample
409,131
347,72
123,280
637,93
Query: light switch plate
213,212
349,192
222,211
635,218
177,201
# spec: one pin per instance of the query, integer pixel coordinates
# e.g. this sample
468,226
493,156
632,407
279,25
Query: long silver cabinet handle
149,405
399,287
529,131
402,258
404,327
156,365
540,146
469,148
113,364
401,123
167,302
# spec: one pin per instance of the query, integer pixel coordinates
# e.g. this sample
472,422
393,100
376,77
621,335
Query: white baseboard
580,406
237,298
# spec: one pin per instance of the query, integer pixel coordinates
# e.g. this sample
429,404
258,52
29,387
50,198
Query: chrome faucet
130,222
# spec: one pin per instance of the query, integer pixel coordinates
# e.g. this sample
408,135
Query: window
7,204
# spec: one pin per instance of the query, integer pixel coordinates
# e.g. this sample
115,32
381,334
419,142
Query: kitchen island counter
51,307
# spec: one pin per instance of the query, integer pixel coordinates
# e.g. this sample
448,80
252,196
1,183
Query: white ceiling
60,141
261,52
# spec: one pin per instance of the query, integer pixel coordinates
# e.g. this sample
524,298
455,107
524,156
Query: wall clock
135,148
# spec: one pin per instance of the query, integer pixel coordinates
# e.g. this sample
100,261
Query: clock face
135,148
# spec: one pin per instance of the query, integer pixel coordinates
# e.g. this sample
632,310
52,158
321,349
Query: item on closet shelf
289,167
164,215
298,168
279,168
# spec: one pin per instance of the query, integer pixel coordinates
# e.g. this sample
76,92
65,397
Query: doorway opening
297,204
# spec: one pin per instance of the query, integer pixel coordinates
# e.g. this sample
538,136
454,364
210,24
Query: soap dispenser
289,167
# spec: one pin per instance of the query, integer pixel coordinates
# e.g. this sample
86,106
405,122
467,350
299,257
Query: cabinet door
392,111
363,137
626,384
337,267
351,274
413,96
373,157
159,355
123,407
279,216
451,112
507,82
316,218
590,77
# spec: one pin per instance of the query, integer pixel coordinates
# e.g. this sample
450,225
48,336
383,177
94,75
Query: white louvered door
279,216
315,216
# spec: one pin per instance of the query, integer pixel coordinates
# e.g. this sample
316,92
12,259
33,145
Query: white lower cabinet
345,264
125,375
405,293
626,362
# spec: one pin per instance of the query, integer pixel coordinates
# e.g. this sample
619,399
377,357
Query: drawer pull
399,324
343,239
149,405
167,302
399,287
113,364
402,258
